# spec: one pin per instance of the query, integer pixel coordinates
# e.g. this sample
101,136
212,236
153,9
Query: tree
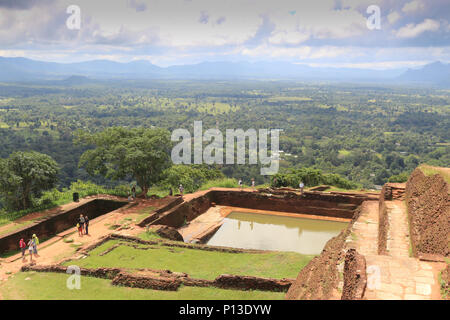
24,175
190,176
121,153
402,177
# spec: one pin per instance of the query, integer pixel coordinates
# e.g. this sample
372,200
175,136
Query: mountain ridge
24,69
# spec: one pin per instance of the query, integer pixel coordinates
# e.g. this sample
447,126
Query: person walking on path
181,189
23,247
253,184
86,225
133,191
30,248
301,186
240,184
36,242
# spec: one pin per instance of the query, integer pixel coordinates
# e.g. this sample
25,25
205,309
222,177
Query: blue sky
169,32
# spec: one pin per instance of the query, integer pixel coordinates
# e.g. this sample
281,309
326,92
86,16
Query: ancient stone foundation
341,205
171,281
428,203
355,277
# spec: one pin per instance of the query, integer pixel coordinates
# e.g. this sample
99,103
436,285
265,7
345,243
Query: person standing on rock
301,186
181,189
240,184
253,184
86,225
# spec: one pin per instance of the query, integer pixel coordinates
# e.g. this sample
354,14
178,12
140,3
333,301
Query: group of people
33,242
31,245
241,186
83,225
180,189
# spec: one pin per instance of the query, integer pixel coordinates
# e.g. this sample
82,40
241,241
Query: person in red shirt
23,247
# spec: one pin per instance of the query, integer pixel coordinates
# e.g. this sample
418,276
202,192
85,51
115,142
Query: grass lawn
138,216
429,171
17,226
197,263
361,191
52,286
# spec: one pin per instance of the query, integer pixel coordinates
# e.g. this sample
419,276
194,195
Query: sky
411,33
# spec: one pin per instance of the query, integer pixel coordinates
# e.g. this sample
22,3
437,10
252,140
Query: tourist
181,189
36,242
23,247
240,184
82,222
86,225
133,191
30,248
170,192
253,184
301,186
80,229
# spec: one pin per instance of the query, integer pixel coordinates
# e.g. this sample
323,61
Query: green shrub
220,183
191,177
310,177
402,177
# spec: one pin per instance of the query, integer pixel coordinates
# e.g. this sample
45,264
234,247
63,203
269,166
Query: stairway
395,276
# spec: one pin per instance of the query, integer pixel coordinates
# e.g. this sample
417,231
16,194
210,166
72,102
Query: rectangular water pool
274,232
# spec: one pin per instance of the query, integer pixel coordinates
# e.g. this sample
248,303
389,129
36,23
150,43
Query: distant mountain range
23,69
436,72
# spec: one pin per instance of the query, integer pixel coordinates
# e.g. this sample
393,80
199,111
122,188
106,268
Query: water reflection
270,232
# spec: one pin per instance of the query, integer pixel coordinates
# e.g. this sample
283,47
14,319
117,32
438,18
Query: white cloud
393,17
411,30
169,32
412,6
283,37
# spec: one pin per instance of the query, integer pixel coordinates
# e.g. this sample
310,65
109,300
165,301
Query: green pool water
271,232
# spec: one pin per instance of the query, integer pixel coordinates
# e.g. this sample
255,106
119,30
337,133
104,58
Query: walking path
395,276
55,249
29,219
398,232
